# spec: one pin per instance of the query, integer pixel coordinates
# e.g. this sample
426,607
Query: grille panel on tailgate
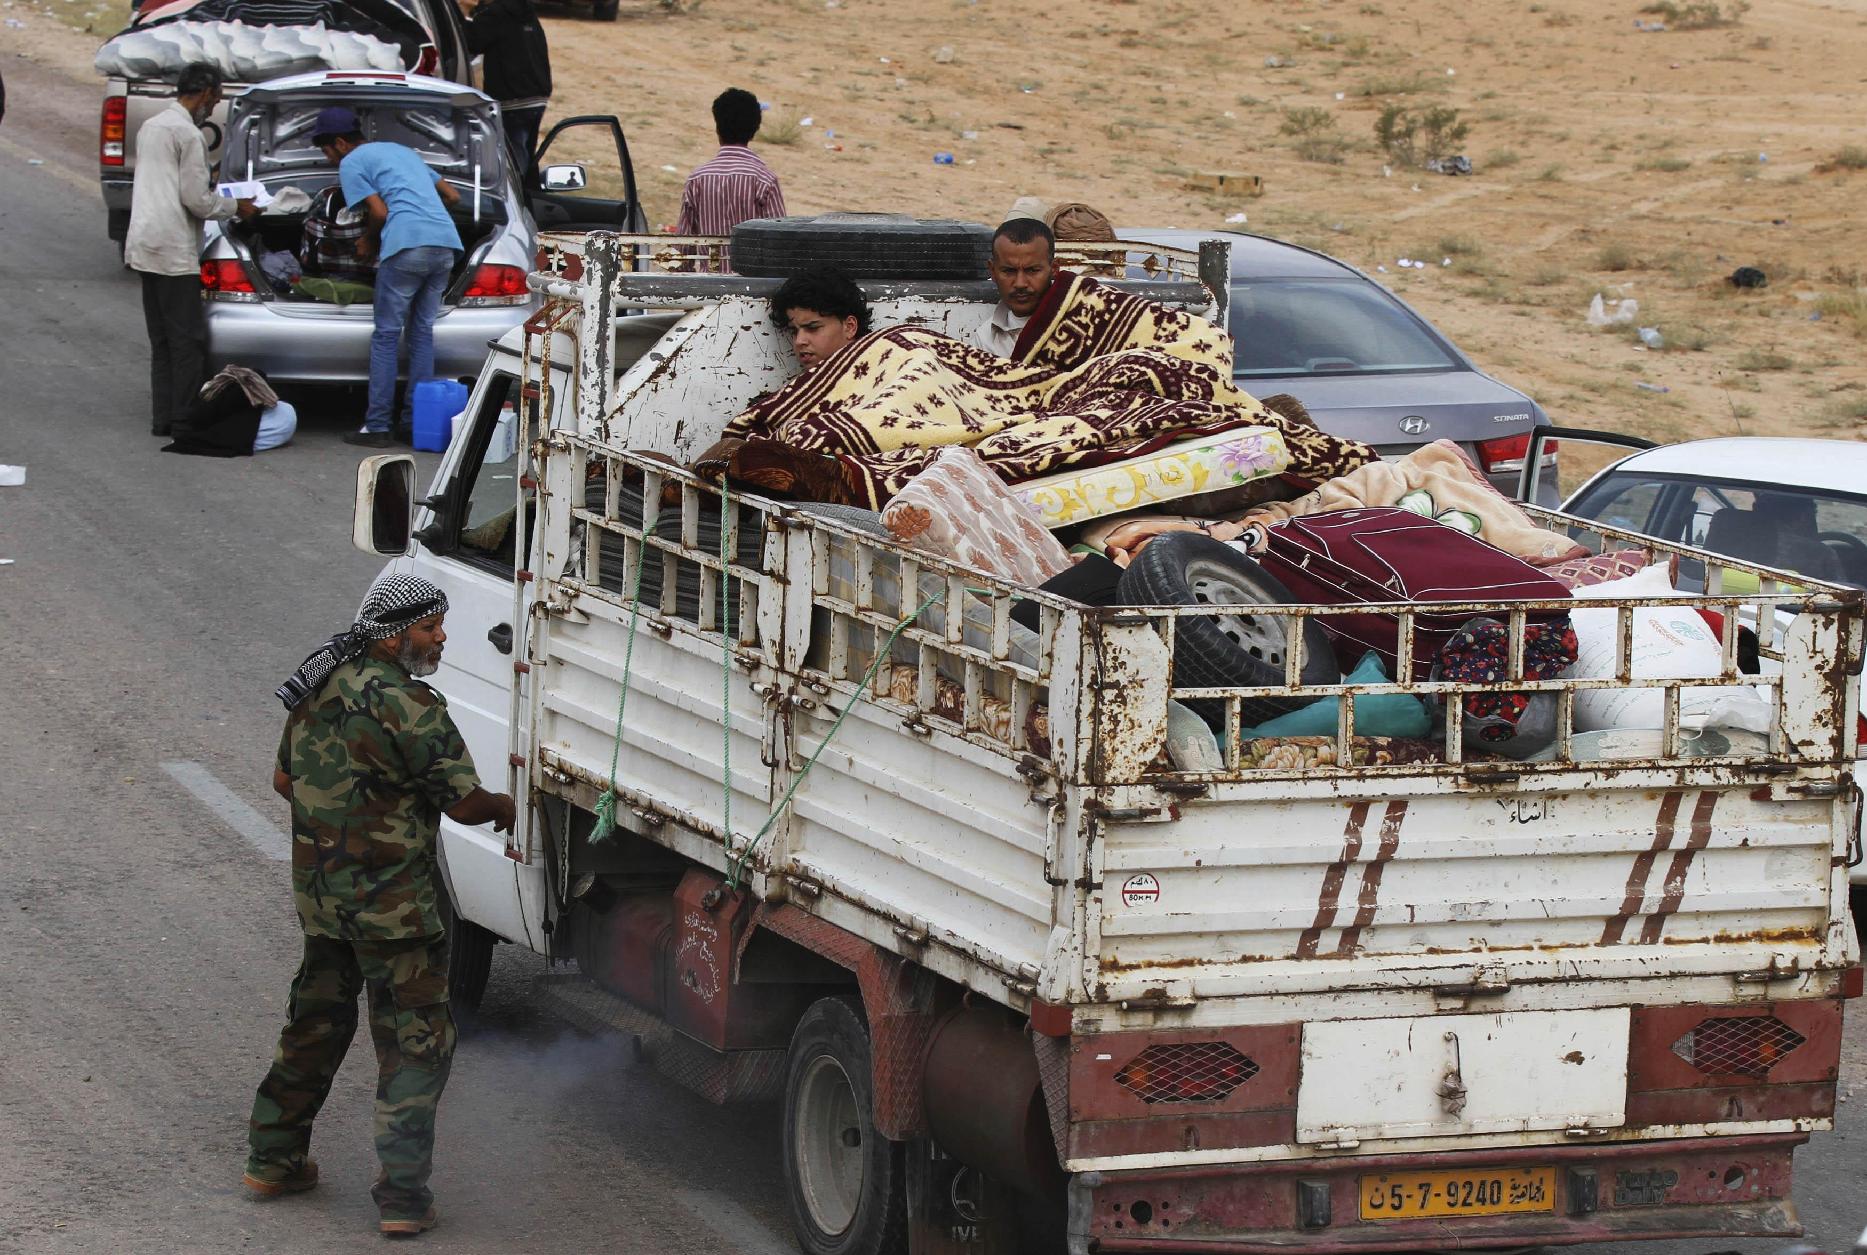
1747,1045
1200,1071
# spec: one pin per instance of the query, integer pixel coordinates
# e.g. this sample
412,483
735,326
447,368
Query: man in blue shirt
408,230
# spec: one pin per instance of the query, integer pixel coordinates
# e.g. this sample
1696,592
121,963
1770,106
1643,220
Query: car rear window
1326,327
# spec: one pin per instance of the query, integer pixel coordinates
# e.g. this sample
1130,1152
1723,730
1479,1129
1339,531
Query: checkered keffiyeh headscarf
395,604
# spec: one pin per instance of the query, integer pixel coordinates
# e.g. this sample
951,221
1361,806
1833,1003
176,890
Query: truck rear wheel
846,1183
469,956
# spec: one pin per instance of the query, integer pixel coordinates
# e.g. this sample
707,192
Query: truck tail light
1197,1071
1749,1045
1711,1064
1506,452
496,285
112,131
224,278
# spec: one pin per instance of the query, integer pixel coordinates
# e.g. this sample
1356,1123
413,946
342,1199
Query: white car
1797,504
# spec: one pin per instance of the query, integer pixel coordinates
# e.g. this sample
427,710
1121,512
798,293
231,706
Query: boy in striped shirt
735,185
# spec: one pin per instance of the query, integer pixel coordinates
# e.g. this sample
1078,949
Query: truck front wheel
845,1182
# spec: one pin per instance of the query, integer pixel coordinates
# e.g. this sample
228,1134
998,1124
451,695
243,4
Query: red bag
1382,554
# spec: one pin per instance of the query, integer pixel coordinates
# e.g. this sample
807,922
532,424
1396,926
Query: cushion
1598,568
1376,714
959,509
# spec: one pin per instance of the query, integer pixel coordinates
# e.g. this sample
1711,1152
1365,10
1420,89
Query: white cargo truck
934,879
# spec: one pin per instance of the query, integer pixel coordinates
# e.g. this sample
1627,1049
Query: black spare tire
1231,650
863,246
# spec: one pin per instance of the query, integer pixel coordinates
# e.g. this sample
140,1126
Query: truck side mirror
385,509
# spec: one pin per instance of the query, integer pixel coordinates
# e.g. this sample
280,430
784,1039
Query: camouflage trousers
414,1038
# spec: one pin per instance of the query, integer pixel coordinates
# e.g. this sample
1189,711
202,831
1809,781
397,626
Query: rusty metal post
1215,271
595,340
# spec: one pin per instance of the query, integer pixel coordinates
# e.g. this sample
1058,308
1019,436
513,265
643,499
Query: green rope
735,869
606,805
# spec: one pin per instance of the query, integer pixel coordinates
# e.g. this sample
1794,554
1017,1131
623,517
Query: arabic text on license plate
1483,1192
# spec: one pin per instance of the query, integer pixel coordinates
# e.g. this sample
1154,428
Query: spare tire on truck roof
863,246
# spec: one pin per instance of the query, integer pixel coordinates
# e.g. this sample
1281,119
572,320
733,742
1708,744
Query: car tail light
1506,452
112,131
496,285
428,60
224,278
1197,1071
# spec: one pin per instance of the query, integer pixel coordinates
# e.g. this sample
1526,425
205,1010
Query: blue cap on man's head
335,120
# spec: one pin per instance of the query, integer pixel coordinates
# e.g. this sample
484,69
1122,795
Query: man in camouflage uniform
369,760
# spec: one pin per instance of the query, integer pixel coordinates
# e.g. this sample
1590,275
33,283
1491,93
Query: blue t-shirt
406,185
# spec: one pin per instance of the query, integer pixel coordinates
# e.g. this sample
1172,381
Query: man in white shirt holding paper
172,196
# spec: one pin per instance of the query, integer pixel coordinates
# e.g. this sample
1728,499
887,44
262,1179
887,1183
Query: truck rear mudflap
1540,1196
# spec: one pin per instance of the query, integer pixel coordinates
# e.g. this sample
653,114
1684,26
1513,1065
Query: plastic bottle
1651,337
436,402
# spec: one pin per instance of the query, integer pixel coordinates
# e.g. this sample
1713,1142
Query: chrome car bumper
305,342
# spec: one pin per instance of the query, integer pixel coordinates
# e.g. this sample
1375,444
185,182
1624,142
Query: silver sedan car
297,332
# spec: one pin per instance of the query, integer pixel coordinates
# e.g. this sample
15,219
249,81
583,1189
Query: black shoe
370,439
159,429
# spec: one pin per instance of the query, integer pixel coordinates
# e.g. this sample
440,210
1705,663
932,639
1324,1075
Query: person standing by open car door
518,69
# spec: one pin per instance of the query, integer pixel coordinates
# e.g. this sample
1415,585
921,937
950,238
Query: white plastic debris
1599,315
806,121
35,161
943,55
886,61
12,476
1341,95
1382,269
1387,172
1237,218
670,169
1445,261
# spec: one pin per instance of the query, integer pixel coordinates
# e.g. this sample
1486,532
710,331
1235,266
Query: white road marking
748,1234
260,833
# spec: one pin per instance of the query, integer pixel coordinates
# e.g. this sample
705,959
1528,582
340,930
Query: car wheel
845,1183
872,246
469,956
1235,650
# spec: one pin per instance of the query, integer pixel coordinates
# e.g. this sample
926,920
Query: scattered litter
35,161
1445,261
1230,114
14,23
1450,72
972,161
1387,172
1405,263
1275,62
943,159
1416,187
944,54
1749,277
886,61
1652,387
1599,315
969,135
1816,316
670,169
832,4
12,476
835,148
1762,158
1651,337
1237,218
1341,95
828,133
1382,269
764,105
1028,88
806,121
9,562
1649,27
1450,165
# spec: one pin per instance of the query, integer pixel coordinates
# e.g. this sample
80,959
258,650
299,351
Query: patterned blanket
1099,376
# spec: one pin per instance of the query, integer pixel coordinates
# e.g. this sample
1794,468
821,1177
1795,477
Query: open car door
593,195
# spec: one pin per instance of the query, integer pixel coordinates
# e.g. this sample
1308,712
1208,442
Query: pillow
1669,642
1203,465
1599,568
959,509
1376,714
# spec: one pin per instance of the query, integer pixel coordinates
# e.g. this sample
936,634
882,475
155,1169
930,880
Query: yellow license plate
1488,1192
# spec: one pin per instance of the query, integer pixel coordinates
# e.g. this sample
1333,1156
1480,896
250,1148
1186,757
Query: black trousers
522,134
177,325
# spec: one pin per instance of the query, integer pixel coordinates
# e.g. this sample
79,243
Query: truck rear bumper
1727,1188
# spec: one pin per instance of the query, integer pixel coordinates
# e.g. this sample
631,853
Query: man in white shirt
1023,263
170,199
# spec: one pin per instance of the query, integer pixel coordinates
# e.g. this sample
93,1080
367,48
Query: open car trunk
275,233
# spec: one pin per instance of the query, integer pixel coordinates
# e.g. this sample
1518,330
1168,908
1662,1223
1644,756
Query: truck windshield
1327,326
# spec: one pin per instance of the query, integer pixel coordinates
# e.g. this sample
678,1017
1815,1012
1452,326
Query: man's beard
417,661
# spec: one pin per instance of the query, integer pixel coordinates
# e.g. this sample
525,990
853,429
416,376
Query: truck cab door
473,536
577,196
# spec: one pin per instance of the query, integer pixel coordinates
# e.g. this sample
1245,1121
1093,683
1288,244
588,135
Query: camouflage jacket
374,759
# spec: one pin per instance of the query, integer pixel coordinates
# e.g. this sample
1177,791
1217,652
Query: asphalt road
152,604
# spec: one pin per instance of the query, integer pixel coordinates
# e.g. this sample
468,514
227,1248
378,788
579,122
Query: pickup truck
130,102
933,880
